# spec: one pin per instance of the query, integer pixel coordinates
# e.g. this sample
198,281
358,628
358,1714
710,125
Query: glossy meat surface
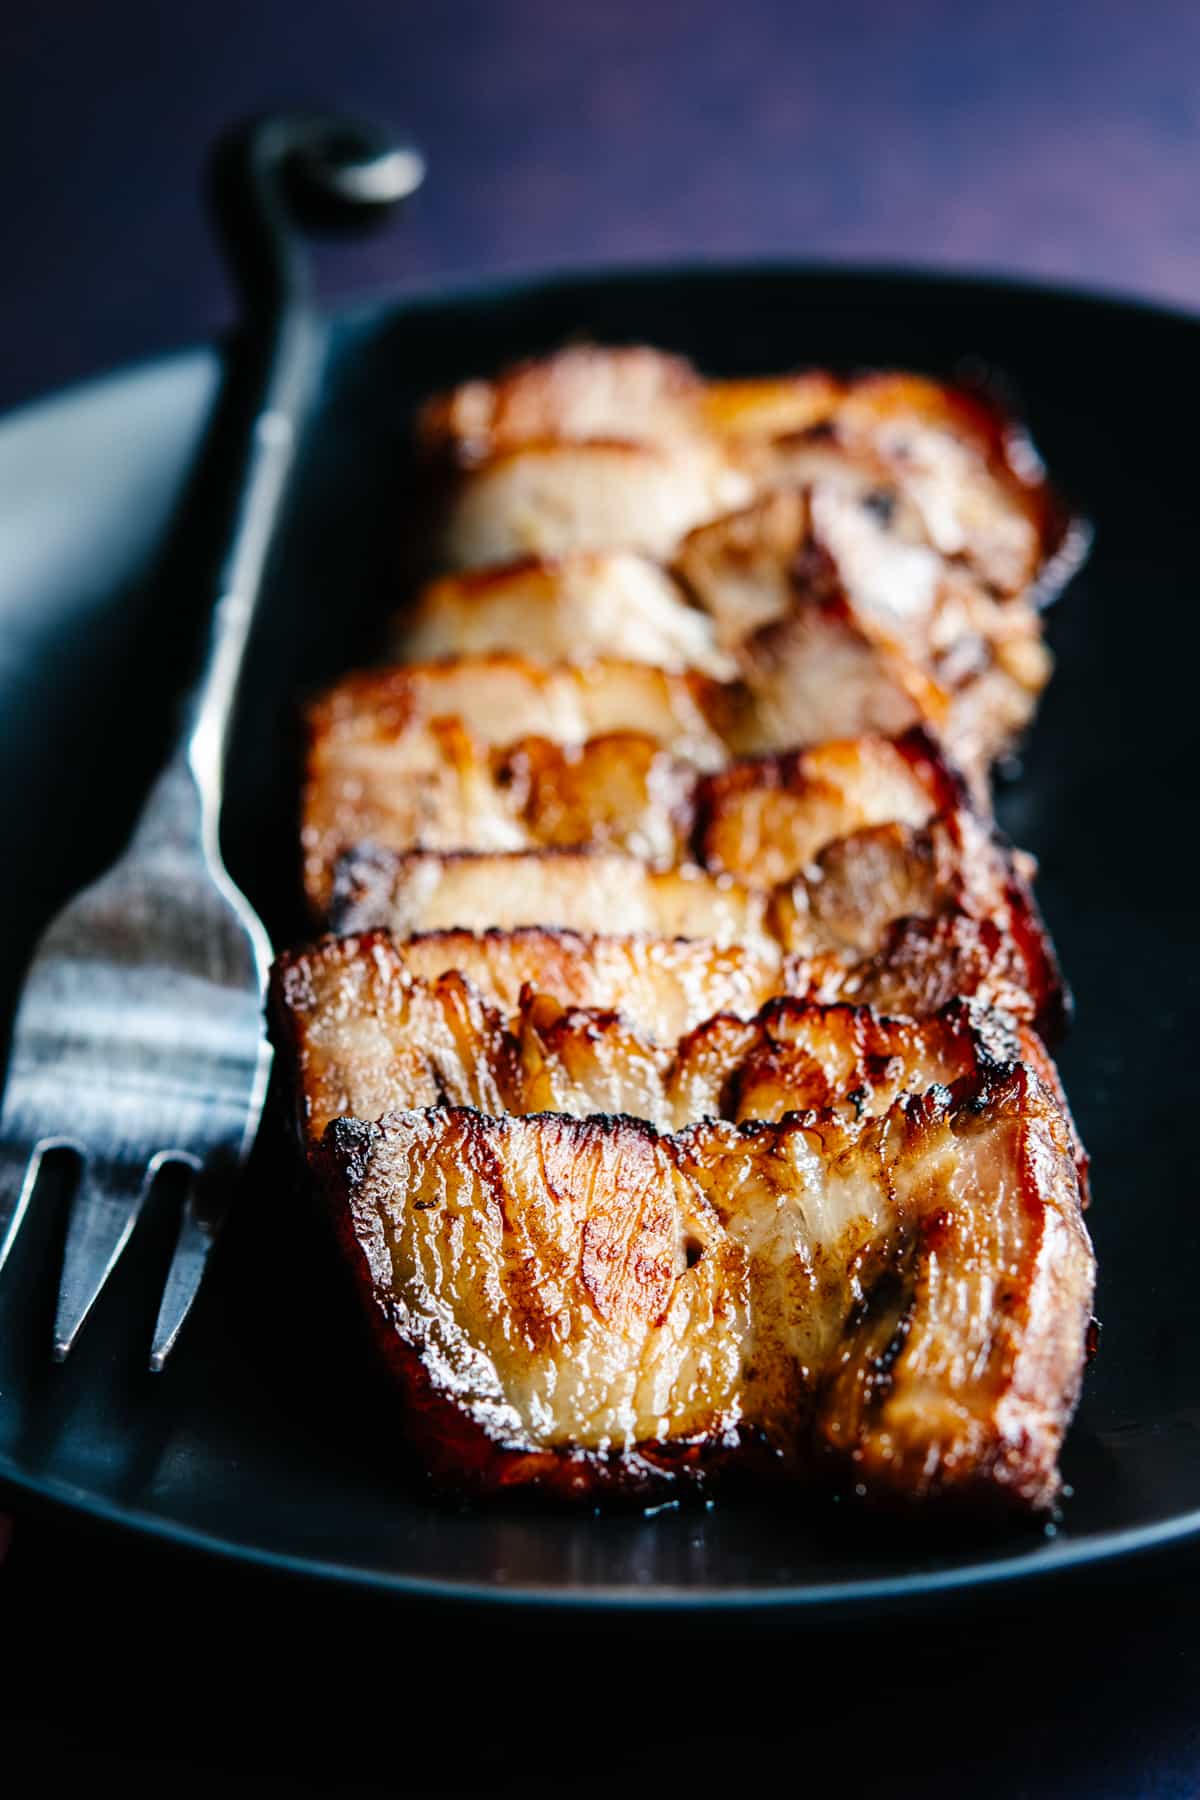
551,498
964,475
593,603
591,890
841,612
587,1307
663,987
497,752
362,1035
584,391
767,818
627,771
900,917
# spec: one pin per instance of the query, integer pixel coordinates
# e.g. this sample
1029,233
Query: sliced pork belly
585,1307
844,619
900,917
501,753
361,1034
663,987
585,391
585,890
764,819
552,498
905,918
593,603
951,457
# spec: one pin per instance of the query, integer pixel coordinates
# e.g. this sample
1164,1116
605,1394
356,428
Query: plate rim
1046,1561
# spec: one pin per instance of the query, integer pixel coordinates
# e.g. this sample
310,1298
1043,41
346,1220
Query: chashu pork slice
570,608
500,752
900,917
844,618
362,1035
907,918
550,498
587,1308
584,391
397,777
951,457
583,890
663,987
763,819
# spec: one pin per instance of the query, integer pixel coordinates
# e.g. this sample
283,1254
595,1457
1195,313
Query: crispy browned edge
460,1458
965,1016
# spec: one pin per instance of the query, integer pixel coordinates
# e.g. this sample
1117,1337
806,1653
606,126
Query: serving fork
139,1039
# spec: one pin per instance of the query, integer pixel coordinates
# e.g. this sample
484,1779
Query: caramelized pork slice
499,752
897,916
905,918
585,890
584,1307
363,1035
594,603
951,457
765,819
551,498
844,618
663,987
585,391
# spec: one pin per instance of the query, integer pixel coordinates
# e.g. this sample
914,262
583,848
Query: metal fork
139,1039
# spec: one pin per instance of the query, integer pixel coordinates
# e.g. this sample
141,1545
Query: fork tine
183,1277
18,1178
103,1214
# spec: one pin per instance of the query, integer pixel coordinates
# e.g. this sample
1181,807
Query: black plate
263,1440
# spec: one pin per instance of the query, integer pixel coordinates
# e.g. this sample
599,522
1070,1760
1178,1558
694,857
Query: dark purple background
1061,138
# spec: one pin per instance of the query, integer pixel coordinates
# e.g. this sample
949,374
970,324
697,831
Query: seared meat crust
587,1308
552,498
364,1035
843,620
625,769
871,553
582,392
663,987
496,752
899,917
953,457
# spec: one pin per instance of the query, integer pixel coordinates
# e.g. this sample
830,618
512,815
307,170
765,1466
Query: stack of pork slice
674,1067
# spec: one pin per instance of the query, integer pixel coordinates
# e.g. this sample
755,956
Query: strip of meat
497,752
584,890
593,603
663,987
622,767
900,917
844,618
764,819
552,498
587,1308
585,391
364,1035
952,457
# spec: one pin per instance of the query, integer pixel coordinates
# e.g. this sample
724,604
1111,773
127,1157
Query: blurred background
1058,138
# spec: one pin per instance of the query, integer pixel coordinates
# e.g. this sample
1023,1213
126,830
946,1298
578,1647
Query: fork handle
273,178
